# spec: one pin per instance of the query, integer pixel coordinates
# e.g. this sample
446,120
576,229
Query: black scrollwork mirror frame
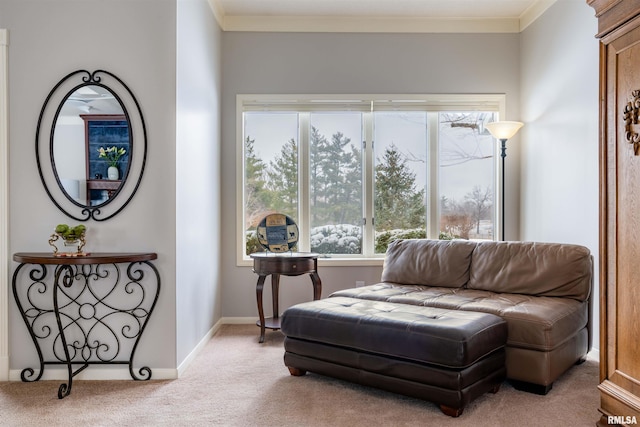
44,146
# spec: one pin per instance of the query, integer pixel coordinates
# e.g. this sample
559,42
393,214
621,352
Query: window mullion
433,161
368,179
304,220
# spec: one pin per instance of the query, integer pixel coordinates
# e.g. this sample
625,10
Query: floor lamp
503,131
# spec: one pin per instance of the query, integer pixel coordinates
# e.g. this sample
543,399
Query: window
401,152
360,172
335,182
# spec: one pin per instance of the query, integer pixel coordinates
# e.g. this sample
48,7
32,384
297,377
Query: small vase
113,173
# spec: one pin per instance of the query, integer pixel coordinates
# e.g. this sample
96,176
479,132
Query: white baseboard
198,348
223,321
59,373
4,368
101,373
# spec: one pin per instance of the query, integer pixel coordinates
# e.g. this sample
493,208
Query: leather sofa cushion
428,262
449,338
384,291
543,269
537,323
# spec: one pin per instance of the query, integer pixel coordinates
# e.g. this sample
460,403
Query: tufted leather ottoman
449,357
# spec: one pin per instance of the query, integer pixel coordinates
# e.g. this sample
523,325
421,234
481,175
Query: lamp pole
503,154
502,131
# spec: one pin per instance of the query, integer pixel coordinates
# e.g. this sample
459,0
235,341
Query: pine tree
257,200
398,205
317,154
336,180
334,169
283,179
351,200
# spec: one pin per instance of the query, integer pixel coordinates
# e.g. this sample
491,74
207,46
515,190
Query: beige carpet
237,382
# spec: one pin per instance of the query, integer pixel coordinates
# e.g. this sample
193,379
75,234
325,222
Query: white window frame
431,103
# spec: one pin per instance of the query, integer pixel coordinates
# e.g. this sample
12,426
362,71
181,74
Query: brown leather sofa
542,291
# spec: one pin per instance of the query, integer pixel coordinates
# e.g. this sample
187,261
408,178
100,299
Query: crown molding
534,12
377,24
360,24
218,12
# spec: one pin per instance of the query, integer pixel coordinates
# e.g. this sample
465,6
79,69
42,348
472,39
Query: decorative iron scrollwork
88,314
630,116
63,93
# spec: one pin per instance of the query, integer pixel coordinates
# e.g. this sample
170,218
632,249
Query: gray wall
136,40
559,63
198,290
289,63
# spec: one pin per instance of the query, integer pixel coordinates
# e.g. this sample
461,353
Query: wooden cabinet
104,130
619,33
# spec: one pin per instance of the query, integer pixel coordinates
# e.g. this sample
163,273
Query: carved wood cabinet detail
630,117
619,34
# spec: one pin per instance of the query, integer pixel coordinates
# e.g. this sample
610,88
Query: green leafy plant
70,233
111,154
384,238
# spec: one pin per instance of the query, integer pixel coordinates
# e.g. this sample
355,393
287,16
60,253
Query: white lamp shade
503,130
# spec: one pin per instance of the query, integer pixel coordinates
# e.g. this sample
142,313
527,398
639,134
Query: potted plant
112,156
71,237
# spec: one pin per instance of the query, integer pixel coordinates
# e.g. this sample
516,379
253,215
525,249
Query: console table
89,311
287,264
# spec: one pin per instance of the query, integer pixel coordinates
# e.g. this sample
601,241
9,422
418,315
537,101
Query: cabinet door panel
619,32
623,240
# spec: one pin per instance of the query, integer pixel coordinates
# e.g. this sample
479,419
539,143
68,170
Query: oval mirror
91,145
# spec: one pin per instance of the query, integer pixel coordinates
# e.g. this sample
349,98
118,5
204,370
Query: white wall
289,63
4,205
198,294
559,63
135,40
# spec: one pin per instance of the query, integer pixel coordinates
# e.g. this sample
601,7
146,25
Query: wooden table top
284,255
91,258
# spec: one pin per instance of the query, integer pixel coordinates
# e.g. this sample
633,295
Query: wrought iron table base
86,312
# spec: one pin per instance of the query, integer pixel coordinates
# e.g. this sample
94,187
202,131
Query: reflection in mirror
91,118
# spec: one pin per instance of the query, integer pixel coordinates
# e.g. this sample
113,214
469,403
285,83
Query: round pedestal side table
286,264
